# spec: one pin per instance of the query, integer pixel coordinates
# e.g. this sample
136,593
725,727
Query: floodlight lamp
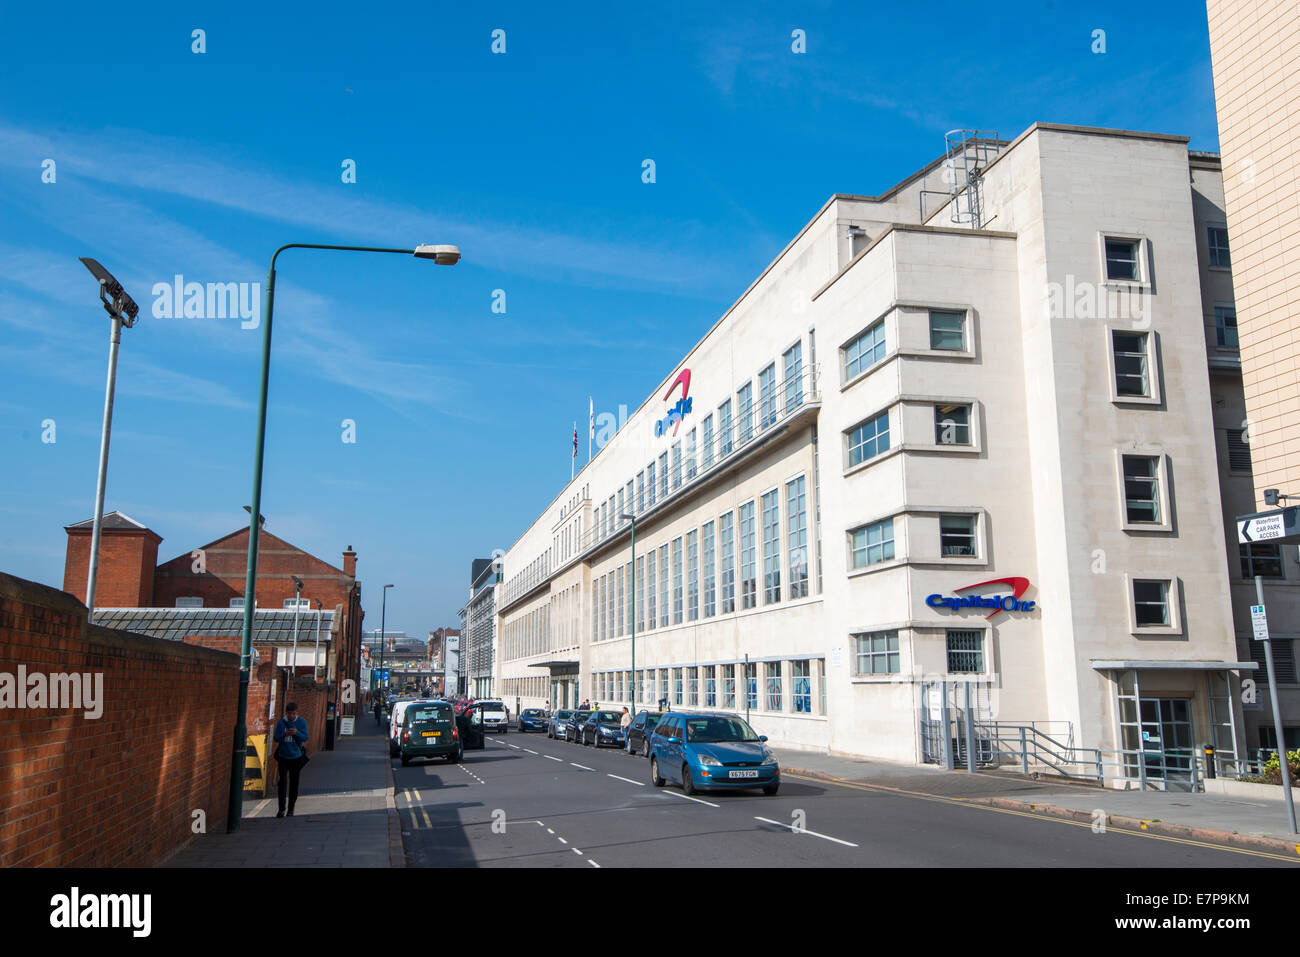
116,302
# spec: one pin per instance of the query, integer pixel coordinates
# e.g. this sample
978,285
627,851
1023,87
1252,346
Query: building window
1225,326
710,687
650,484
869,439
1261,558
663,586
604,618
947,330
706,440
877,653
724,429
1142,489
1151,603
663,684
1283,664
1238,450
957,536
727,563
1130,351
774,696
793,377
1219,256
771,547
640,491
767,396
622,604
873,543
748,570
965,652
677,465
692,575
290,603
710,585
677,581
692,454
677,686
728,686
236,603
751,686
663,475
650,589
864,351
692,686
194,601
640,594
952,425
1122,259
745,412
801,686
797,523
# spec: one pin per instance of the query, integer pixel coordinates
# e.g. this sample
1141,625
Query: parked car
496,717
395,723
602,727
706,751
559,720
532,719
638,732
573,727
429,731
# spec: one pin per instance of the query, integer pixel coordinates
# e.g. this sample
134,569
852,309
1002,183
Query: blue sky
171,162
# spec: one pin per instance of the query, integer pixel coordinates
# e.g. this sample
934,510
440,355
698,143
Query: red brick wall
127,558
118,790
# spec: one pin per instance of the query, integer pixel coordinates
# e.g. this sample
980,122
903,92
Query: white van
495,715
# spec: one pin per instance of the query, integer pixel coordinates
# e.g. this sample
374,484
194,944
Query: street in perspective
778,454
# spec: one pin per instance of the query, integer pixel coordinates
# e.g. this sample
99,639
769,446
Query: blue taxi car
706,751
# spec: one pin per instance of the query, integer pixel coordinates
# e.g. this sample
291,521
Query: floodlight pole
115,337
443,255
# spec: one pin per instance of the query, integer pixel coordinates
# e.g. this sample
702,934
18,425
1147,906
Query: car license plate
743,774
431,734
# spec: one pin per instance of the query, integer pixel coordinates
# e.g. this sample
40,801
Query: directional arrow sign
1281,525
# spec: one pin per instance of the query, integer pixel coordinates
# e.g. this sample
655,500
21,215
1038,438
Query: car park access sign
1279,525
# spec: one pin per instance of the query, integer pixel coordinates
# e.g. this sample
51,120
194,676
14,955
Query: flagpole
591,424
574,457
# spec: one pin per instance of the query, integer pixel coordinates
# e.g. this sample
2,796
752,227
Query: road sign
1259,622
1281,524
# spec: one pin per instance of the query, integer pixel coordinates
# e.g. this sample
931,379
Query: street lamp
315,658
123,310
443,255
297,603
624,516
383,681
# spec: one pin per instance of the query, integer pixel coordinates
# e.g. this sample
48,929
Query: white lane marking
552,758
561,840
549,831
530,750
639,784
804,830
578,852
592,863
583,766
515,746
689,798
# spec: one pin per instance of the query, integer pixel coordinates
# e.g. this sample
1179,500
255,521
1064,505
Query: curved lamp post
443,256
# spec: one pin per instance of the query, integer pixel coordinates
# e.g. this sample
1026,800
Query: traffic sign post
1259,623
1279,525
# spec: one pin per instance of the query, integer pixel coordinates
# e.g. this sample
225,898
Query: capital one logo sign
673,419
994,603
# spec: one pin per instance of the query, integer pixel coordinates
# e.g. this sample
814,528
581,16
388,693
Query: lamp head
116,302
443,255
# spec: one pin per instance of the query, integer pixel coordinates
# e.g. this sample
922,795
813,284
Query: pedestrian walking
290,755
626,720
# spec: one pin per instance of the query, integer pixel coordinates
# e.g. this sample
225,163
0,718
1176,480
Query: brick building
214,576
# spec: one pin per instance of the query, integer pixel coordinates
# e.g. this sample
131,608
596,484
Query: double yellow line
967,803
413,807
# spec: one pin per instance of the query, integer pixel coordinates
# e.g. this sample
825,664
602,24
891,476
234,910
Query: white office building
968,446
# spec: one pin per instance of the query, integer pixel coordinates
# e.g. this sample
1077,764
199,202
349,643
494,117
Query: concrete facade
1025,365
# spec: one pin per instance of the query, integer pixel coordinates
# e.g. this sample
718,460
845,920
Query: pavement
1259,823
345,815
